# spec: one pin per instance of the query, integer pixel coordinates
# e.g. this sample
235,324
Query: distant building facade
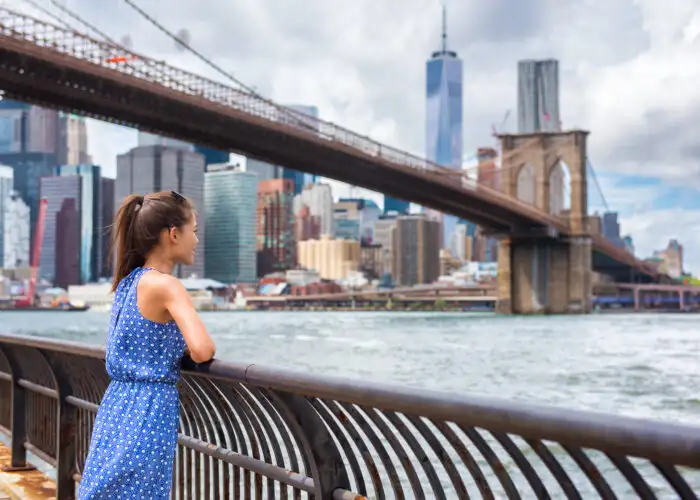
108,214
332,258
16,233
319,199
89,207
538,96
6,189
65,235
416,256
230,250
275,220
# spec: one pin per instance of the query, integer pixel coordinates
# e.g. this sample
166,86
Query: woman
153,325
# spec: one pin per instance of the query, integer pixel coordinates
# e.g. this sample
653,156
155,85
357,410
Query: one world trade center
443,128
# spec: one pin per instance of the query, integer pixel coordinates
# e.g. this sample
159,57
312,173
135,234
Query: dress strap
128,285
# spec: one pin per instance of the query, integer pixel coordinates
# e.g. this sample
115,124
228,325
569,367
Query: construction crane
28,300
495,131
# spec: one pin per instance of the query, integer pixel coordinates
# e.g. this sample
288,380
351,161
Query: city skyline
353,86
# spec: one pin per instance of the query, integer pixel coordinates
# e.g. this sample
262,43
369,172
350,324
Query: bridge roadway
56,67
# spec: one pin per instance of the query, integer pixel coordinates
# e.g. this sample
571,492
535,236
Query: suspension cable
597,184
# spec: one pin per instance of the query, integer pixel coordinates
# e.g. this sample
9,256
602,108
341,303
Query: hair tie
139,202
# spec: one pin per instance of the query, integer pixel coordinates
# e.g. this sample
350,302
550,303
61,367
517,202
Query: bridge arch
559,184
526,184
558,161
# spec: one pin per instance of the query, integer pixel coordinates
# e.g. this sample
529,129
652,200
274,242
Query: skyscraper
62,232
231,198
443,133
275,226
213,156
392,204
611,228
416,243
148,169
16,233
71,251
89,207
264,171
29,143
148,139
538,96
107,220
318,198
72,147
6,187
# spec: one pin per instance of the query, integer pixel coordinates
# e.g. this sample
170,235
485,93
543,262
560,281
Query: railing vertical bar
18,419
66,442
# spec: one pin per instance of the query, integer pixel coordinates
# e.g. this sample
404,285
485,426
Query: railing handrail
643,438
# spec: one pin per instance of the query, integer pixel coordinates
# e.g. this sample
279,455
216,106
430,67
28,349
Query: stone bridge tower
547,273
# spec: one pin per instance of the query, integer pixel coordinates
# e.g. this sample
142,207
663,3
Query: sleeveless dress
135,433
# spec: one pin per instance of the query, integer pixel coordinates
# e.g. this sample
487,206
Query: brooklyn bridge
548,260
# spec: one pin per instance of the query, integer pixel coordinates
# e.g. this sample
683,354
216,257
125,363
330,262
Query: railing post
327,466
18,461
66,422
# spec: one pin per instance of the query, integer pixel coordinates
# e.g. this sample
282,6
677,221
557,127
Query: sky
629,72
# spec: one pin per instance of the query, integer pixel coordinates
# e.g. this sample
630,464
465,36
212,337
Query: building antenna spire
444,27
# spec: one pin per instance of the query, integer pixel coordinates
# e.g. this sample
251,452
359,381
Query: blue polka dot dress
135,434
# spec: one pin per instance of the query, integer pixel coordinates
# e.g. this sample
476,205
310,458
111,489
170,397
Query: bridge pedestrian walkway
23,485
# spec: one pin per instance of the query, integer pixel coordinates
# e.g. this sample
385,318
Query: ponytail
124,250
138,225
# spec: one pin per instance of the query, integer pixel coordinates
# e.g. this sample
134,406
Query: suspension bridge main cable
192,50
597,184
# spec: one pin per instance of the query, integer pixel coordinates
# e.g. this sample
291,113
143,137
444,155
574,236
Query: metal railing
252,432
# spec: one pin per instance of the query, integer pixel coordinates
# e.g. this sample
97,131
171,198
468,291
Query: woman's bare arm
179,305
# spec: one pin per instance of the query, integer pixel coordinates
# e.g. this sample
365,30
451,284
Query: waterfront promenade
23,485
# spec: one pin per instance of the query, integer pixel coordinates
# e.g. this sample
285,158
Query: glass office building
443,132
230,252
79,220
91,224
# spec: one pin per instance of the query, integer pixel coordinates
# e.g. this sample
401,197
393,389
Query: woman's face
185,244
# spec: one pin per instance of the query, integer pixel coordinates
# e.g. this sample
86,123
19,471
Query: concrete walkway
31,485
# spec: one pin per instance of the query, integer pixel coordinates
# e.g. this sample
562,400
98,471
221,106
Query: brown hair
138,225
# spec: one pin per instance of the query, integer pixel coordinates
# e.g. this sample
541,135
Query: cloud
629,73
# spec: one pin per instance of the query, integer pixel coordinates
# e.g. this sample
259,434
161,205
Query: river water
640,365
635,364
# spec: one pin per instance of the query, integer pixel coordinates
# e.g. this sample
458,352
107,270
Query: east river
641,365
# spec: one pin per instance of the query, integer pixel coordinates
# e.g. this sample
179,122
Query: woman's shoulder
156,283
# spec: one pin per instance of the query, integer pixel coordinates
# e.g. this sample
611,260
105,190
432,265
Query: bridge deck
27,485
